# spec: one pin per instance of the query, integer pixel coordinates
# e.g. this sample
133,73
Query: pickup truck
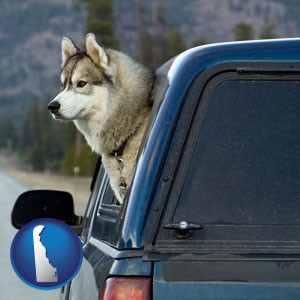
213,211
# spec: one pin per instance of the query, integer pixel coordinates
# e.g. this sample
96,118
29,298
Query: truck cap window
245,169
246,166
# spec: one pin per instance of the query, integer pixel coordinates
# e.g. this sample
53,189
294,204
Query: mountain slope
30,35
31,31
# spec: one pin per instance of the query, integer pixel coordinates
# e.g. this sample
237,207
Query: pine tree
268,31
158,28
242,31
41,141
200,42
8,134
30,127
174,43
100,20
85,161
32,137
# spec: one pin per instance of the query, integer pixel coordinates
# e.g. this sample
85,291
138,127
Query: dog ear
68,49
96,52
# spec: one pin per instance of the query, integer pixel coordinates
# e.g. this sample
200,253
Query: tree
200,42
268,31
86,160
242,31
146,49
174,43
158,29
151,33
139,28
32,137
100,20
8,134
42,139
30,127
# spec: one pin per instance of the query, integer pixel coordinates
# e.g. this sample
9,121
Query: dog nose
54,107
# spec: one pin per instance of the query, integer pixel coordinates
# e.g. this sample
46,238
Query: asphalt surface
11,287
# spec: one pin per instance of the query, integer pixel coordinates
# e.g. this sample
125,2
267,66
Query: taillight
126,288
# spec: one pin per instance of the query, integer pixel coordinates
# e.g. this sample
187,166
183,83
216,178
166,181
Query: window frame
195,101
105,219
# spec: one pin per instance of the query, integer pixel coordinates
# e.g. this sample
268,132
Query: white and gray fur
106,94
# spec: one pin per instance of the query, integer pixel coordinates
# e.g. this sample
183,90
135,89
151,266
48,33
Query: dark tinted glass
246,165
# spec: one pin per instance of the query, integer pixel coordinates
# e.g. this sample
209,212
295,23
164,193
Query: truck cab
213,211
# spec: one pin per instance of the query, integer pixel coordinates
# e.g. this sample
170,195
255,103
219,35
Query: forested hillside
30,33
150,30
31,30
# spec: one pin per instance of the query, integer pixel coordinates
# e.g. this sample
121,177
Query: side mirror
37,204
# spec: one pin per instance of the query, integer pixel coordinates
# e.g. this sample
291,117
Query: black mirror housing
37,204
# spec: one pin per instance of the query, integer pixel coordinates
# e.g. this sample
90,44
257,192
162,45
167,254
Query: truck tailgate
180,280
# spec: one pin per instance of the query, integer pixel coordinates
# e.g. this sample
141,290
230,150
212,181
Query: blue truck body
169,230
130,254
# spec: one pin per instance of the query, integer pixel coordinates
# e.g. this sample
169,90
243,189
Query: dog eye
81,84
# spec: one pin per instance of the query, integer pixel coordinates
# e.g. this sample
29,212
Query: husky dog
106,94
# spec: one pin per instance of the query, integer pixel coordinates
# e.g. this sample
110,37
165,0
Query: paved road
11,287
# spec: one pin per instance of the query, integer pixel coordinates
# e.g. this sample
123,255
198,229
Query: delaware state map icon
46,254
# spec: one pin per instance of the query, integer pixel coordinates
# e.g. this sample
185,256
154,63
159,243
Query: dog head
85,76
